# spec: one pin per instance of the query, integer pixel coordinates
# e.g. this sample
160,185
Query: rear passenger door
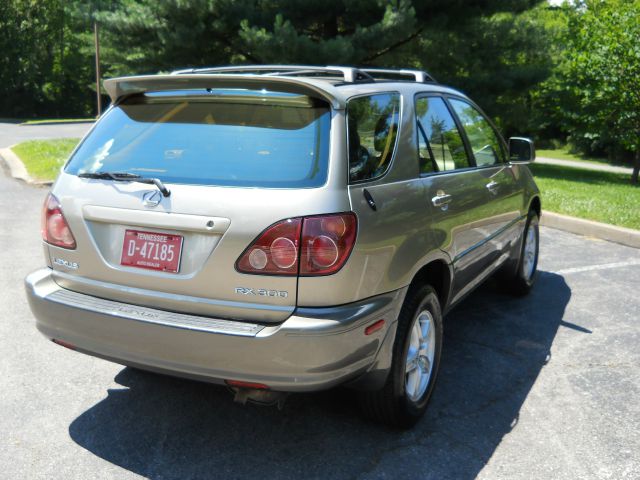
455,200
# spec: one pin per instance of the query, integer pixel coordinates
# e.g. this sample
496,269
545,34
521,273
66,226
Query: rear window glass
217,137
373,129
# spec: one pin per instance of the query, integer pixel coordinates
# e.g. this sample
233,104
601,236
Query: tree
488,48
360,32
602,73
27,52
45,62
499,60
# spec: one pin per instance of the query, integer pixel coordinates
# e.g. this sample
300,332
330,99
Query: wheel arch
438,274
536,205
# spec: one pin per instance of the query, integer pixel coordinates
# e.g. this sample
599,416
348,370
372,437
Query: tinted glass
373,129
440,144
228,138
485,145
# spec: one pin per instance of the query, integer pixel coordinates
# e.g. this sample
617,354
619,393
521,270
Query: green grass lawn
43,158
600,196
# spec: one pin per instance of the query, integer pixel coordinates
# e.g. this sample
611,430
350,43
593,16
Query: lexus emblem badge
151,198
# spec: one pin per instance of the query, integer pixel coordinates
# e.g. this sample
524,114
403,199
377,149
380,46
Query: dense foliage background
556,73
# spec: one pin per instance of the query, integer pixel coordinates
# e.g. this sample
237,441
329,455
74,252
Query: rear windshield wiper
127,177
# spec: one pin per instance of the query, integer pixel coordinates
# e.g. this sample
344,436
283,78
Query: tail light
327,242
55,229
318,245
275,252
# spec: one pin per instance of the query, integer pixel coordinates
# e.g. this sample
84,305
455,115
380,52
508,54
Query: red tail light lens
327,242
318,245
323,251
275,252
284,252
55,229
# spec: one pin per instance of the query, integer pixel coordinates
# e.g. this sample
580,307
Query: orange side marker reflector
241,384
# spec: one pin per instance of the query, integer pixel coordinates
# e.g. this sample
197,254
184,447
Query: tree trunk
636,168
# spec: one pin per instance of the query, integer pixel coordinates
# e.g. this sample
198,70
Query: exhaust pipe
259,396
256,393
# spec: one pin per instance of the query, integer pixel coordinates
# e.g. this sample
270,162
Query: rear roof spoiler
117,88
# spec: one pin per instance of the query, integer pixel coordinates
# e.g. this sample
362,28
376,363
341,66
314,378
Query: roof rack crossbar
349,74
419,76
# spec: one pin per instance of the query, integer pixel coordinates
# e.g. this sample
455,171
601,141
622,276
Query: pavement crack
598,365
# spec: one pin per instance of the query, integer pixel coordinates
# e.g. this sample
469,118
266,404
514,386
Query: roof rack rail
419,76
348,74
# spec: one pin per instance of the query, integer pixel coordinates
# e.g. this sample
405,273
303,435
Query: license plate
152,250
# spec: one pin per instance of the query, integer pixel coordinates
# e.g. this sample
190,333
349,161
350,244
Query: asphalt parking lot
12,133
543,387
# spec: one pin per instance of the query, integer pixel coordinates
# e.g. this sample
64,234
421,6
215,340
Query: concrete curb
55,123
584,165
589,228
17,168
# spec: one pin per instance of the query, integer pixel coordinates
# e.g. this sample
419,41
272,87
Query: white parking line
604,266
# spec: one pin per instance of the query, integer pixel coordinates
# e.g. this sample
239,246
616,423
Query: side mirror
521,150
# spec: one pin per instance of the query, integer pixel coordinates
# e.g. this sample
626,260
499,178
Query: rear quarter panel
394,241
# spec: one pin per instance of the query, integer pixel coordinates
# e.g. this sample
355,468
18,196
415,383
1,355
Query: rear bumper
314,349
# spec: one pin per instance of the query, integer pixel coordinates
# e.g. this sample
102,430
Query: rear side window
220,137
486,147
440,144
373,130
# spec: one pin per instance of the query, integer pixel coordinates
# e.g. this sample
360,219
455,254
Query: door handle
441,200
493,187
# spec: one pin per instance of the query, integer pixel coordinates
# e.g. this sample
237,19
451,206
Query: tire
404,398
527,269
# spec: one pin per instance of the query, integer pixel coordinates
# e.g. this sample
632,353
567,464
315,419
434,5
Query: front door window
487,149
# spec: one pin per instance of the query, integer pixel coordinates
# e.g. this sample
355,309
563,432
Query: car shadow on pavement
495,347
